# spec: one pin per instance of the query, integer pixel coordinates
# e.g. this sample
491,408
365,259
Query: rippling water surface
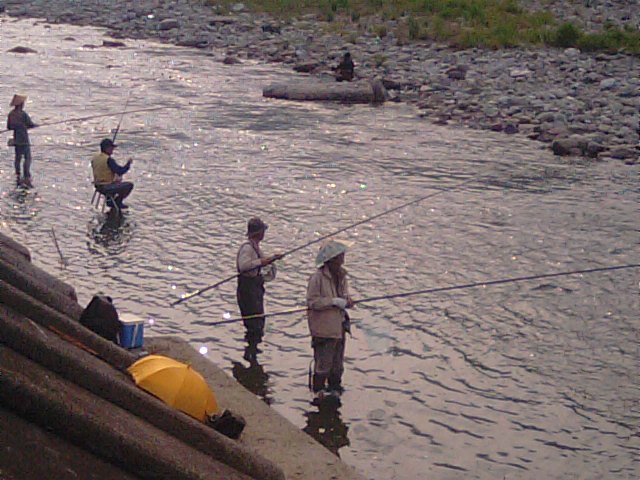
526,380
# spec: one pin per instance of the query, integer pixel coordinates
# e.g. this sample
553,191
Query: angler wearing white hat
19,122
327,299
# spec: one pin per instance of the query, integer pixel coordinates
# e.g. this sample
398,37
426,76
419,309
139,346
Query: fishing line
324,237
429,291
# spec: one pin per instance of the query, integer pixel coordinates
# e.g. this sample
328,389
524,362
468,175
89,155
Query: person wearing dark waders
107,175
19,121
254,269
345,69
327,300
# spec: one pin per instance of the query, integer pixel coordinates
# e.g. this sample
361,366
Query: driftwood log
344,92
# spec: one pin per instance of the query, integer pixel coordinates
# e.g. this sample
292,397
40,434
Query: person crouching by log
19,121
345,69
327,299
254,269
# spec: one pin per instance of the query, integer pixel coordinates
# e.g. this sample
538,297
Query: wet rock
594,148
307,67
194,43
379,92
221,20
20,49
511,129
572,52
231,60
459,72
519,73
571,145
608,83
624,152
268,28
113,44
168,24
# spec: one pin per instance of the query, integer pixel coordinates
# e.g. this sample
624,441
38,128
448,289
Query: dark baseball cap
256,225
106,143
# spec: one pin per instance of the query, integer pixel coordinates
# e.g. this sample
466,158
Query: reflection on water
327,427
21,204
253,377
109,232
520,381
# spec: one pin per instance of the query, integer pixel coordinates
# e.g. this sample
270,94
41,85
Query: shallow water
524,380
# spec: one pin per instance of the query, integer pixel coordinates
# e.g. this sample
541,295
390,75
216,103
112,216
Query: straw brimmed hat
18,100
331,249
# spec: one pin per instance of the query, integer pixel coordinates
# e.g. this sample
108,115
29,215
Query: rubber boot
318,382
335,383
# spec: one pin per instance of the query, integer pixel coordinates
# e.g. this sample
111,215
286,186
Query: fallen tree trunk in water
345,92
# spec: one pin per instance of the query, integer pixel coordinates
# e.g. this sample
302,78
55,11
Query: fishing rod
324,237
91,117
115,134
428,291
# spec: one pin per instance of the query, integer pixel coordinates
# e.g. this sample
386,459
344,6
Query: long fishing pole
91,117
196,293
115,134
113,114
429,291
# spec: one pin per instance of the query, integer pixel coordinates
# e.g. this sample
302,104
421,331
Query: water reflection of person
112,231
327,427
253,377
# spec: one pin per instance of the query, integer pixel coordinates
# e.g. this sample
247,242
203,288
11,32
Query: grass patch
466,23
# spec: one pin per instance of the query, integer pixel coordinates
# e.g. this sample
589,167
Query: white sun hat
331,249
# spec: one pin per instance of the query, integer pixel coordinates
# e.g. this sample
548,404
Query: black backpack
101,317
227,423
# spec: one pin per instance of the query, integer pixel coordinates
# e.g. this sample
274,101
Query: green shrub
380,30
567,35
414,28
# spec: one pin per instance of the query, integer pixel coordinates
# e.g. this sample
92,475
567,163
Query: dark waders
250,296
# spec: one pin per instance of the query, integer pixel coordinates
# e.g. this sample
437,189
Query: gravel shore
577,103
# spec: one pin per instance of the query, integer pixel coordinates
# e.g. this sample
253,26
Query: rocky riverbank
577,103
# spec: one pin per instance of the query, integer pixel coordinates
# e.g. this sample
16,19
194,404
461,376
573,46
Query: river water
518,381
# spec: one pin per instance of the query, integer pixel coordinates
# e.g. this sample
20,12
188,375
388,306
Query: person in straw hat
254,269
19,121
327,299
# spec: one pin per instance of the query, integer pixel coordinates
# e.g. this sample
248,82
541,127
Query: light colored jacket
249,259
324,319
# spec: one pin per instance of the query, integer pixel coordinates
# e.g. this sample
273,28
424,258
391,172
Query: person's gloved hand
341,303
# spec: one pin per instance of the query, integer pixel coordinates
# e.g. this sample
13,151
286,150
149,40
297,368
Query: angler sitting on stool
107,175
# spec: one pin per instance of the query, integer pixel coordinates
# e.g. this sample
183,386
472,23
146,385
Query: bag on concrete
228,423
101,317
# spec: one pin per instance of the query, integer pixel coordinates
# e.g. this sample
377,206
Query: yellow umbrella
175,383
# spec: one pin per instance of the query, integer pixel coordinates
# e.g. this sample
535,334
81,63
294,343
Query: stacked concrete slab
68,409
66,387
